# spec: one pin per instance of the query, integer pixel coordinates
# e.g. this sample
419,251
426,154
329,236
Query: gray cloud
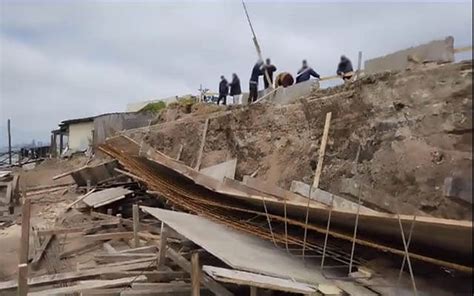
61,60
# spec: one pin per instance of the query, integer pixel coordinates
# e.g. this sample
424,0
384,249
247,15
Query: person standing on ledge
305,73
253,83
270,69
235,90
223,90
344,69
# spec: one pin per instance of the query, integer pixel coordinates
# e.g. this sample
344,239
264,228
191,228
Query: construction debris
144,218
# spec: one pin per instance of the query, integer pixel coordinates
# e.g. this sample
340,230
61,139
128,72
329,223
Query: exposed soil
414,129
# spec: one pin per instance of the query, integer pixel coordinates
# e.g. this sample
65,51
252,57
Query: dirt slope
414,128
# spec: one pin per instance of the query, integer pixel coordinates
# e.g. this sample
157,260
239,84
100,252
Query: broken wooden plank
90,284
201,146
257,280
78,200
322,150
108,248
207,281
162,248
111,258
109,236
145,249
76,275
88,246
152,275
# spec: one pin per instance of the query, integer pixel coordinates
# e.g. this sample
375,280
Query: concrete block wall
441,51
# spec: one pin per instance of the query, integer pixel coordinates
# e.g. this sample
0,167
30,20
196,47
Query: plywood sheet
107,196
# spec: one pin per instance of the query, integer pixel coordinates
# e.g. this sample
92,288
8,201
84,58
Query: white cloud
68,59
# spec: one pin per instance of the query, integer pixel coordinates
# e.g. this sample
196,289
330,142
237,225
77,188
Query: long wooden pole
9,143
136,225
257,46
322,150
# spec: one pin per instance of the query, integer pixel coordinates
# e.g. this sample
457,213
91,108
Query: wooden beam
86,285
201,147
180,150
79,199
136,225
76,275
195,275
24,247
152,275
109,236
129,175
207,281
322,150
9,142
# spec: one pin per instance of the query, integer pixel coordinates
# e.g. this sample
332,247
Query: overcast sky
69,59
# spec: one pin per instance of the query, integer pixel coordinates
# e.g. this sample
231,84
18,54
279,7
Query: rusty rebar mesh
200,201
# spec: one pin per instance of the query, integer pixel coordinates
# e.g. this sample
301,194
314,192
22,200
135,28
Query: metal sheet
238,250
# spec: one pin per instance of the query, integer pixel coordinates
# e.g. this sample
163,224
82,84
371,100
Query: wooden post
61,143
195,275
201,147
322,150
136,224
24,246
162,249
253,291
9,143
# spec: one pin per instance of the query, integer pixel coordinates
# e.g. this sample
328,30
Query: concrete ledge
440,51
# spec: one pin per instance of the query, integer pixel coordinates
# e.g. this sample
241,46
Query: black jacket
270,69
256,71
305,74
223,87
345,66
235,87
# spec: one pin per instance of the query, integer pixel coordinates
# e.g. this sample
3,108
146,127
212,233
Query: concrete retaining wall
441,51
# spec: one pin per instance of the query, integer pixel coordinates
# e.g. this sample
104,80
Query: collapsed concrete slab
439,51
325,197
221,170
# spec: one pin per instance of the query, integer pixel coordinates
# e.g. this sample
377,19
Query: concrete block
456,187
221,170
324,197
440,51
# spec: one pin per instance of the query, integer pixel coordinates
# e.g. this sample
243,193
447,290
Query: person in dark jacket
305,73
344,69
235,90
270,69
223,90
257,71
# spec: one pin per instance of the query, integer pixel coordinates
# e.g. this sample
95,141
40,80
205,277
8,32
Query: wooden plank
109,249
129,175
207,281
152,275
109,236
88,246
106,196
76,275
136,225
78,200
322,150
145,249
111,258
257,280
180,150
86,285
195,275
201,147
24,247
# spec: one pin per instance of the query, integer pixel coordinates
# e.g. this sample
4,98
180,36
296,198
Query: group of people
284,79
